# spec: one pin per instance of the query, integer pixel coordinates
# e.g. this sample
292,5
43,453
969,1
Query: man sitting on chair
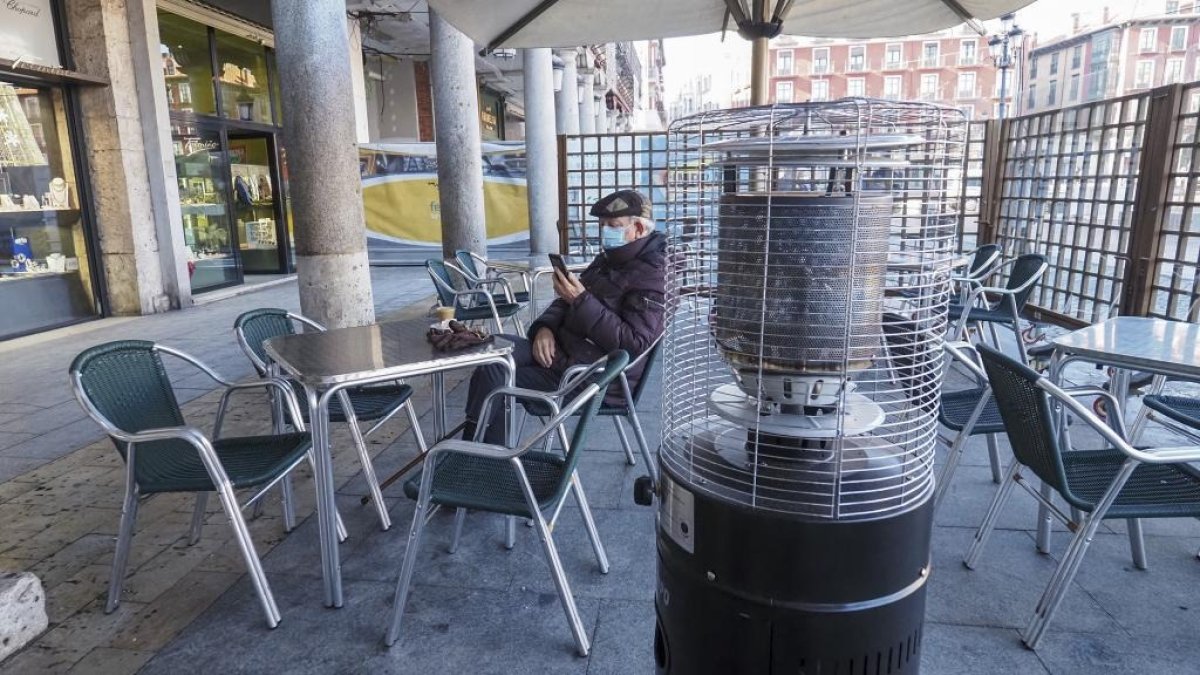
616,303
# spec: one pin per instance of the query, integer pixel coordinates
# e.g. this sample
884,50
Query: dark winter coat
622,308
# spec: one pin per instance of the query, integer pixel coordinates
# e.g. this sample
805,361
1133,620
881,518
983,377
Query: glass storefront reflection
45,276
187,65
245,91
202,167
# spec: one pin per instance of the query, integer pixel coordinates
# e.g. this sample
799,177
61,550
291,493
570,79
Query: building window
1054,63
893,56
1031,103
966,53
1073,91
1076,57
1148,40
929,54
46,278
966,85
783,92
187,65
856,86
1033,61
892,87
1179,36
1172,7
1174,71
929,87
783,62
1145,74
820,90
1052,93
820,61
858,59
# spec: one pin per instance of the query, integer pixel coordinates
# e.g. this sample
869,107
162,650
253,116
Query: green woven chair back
466,262
983,255
1025,410
126,382
1023,270
260,325
647,372
439,272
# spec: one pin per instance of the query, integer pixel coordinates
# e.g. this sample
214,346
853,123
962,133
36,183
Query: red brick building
951,67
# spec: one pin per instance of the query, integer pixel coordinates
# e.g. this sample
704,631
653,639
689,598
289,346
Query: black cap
622,203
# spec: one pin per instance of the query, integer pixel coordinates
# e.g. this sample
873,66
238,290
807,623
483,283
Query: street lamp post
1002,47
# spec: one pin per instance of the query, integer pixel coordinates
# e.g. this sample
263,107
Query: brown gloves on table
457,337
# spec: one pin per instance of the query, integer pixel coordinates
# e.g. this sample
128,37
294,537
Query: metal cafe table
532,267
328,363
1127,344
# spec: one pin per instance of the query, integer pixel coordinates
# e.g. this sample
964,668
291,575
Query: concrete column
135,203
587,102
319,131
358,82
456,134
566,101
541,152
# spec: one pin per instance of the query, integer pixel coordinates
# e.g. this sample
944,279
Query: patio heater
806,302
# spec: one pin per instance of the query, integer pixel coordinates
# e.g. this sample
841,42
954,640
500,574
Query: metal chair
517,482
969,412
1119,481
476,269
1000,305
474,302
1180,414
627,409
124,387
983,262
373,404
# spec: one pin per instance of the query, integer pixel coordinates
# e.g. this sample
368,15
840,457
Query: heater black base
761,593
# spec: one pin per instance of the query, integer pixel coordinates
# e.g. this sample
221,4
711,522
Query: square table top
539,262
394,348
1141,343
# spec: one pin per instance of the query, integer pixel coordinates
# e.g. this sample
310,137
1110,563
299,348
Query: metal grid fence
971,188
593,165
1175,281
1070,179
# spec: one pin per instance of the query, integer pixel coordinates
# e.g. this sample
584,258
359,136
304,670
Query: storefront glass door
202,167
256,202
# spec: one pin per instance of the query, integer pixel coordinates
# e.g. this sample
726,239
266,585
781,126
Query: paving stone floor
488,610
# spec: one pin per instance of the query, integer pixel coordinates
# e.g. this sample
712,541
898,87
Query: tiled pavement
487,610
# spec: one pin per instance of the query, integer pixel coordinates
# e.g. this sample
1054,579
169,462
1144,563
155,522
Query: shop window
242,74
45,274
187,65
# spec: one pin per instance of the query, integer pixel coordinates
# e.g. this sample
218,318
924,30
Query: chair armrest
1170,455
503,283
475,449
965,354
289,398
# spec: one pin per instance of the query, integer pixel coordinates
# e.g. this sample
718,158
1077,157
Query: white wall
392,101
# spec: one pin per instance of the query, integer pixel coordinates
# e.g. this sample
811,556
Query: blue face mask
612,237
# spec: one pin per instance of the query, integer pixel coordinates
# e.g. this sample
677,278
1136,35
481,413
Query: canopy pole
758,71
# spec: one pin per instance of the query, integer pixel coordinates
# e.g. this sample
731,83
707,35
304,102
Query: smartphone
556,261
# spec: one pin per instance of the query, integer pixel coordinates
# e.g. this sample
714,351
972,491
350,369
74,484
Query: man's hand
568,287
544,347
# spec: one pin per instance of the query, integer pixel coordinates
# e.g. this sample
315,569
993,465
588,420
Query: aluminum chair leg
342,534
629,458
582,644
510,532
1137,542
593,534
994,459
289,503
259,507
952,459
640,435
197,518
253,564
364,459
404,582
992,516
1044,521
124,542
460,518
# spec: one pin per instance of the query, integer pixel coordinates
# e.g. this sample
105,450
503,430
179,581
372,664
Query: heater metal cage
810,253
